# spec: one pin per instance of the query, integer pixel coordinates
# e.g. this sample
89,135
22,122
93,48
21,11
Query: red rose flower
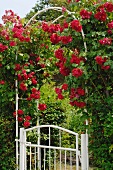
53,28
63,9
58,28
72,103
34,81
72,93
32,96
110,25
19,77
105,41
20,119
60,64
7,38
22,38
3,47
12,43
23,87
55,39
45,27
80,91
100,60
75,24
108,6
85,14
31,62
20,112
60,96
77,72
101,15
37,95
66,39
27,117
75,59
14,114
68,1
110,31
105,67
2,82
58,90
65,25
80,104
25,76
26,124
37,59
27,39
30,75
17,67
34,90
59,53
65,71
65,86
43,65
29,99
42,107
23,71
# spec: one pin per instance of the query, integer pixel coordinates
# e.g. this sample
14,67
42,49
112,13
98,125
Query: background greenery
99,105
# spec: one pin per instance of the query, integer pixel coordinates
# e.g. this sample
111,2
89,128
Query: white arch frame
16,81
61,16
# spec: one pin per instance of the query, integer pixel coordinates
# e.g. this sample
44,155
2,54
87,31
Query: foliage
7,149
41,4
7,134
80,49
55,113
47,15
18,61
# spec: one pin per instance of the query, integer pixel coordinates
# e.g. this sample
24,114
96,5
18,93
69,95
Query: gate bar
84,152
22,149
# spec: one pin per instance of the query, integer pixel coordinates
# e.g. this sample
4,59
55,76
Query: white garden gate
48,156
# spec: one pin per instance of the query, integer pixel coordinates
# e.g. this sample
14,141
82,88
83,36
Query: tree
48,15
41,4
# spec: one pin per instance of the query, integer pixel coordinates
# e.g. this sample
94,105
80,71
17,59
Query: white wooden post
16,90
77,160
87,153
22,149
39,149
38,141
84,152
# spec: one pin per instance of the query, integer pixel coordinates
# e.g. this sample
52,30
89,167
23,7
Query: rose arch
85,62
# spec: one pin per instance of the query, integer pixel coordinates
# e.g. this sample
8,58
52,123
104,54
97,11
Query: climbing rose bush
18,61
80,49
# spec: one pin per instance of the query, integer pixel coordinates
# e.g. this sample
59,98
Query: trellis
84,139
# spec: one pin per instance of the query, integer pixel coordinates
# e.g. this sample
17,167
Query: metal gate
50,147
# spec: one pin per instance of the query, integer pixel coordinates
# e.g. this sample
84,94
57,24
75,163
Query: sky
20,7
